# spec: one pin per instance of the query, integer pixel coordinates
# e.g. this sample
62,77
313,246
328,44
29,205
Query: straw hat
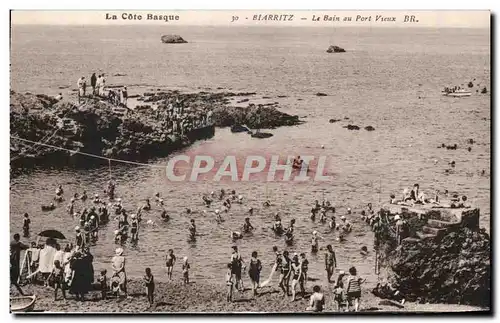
342,217
96,195
116,232
315,232
92,217
185,259
397,217
132,216
217,211
77,228
118,200
119,251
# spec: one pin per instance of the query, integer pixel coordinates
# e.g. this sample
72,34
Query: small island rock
335,49
172,39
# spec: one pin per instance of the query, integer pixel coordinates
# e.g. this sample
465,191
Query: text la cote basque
134,16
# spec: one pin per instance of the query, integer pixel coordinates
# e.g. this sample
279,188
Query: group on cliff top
98,83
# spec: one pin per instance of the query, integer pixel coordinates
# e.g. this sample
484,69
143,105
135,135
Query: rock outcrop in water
95,127
92,127
335,49
172,39
444,259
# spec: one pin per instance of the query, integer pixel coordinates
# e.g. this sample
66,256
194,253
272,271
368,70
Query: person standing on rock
98,85
103,86
93,82
124,96
81,87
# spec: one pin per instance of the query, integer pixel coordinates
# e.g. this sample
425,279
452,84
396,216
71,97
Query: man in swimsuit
285,273
330,262
237,265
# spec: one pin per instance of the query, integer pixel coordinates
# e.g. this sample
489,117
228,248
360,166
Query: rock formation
444,259
172,39
335,49
100,128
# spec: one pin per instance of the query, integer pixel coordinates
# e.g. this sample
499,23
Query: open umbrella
52,234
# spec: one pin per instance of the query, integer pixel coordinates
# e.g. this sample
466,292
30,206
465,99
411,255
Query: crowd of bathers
292,268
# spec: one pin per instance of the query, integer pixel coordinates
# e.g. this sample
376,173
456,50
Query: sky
435,18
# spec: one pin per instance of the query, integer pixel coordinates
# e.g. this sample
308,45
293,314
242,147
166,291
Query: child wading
354,288
170,262
150,286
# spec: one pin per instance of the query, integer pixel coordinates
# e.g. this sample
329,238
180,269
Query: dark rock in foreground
351,127
335,49
172,39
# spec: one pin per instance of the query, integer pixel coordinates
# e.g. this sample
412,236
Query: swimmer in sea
84,196
267,203
71,207
235,235
134,228
59,191
331,223
207,201
218,216
314,242
170,262
240,199
250,211
164,215
322,217
147,206
247,226
313,214
192,229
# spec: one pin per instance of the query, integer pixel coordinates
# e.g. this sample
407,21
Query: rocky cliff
172,39
96,127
